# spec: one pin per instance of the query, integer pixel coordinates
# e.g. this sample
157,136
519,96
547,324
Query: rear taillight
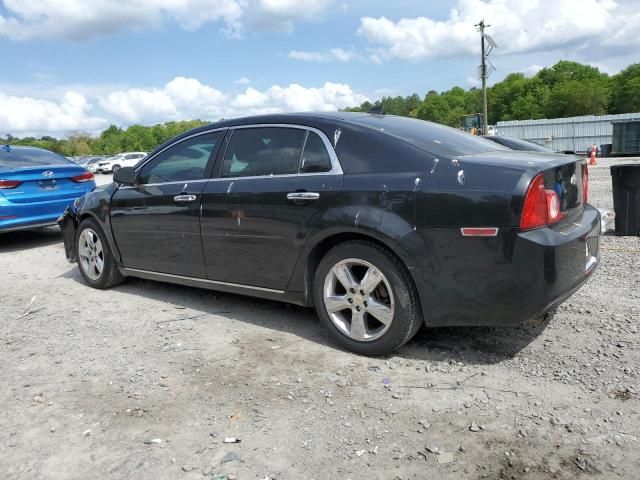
84,177
541,206
585,183
9,183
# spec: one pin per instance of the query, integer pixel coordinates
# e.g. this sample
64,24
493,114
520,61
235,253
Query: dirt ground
146,381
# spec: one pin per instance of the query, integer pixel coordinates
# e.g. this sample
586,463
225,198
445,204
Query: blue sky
84,64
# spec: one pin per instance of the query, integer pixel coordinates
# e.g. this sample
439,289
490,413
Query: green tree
565,71
625,90
574,98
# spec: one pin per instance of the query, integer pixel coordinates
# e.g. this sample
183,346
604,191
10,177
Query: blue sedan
36,186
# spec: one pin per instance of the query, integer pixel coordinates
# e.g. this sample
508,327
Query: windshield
13,158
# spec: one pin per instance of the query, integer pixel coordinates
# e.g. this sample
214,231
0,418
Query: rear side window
263,151
315,158
12,158
187,160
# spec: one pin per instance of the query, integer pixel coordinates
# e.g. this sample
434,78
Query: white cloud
281,14
531,70
79,20
25,115
329,97
335,54
252,99
517,27
474,82
308,56
342,55
242,81
188,98
180,99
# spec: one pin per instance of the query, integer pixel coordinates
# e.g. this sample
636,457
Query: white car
127,159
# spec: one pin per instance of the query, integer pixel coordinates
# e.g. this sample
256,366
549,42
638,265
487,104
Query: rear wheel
365,297
95,259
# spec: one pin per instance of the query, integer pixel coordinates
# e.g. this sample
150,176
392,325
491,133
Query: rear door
274,182
156,223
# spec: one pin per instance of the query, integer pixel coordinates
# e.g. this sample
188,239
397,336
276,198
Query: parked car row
116,162
109,163
380,223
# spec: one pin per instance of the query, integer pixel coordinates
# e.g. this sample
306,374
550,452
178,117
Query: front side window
184,161
263,151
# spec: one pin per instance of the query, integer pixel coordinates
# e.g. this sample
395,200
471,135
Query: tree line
566,89
136,138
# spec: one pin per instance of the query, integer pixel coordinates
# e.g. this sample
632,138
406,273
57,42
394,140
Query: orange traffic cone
592,159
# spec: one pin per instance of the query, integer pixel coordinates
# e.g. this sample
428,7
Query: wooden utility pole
483,74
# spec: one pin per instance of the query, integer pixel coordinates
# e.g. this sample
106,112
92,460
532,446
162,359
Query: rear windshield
437,139
517,144
13,158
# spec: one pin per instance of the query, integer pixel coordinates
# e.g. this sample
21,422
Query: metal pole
485,120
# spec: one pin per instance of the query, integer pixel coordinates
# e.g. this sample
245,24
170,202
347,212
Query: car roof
419,133
310,119
24,148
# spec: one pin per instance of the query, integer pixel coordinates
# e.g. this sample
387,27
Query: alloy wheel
358,299
91,254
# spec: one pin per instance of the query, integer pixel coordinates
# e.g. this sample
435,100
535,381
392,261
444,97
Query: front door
156,223
274,184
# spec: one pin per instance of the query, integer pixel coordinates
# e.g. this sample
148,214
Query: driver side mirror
125,176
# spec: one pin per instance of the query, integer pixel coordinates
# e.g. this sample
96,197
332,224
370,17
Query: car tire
387,312
95,259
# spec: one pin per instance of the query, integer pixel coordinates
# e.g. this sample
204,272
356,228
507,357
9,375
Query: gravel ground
147,380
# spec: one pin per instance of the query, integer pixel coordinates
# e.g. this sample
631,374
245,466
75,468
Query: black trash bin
626,198
605,150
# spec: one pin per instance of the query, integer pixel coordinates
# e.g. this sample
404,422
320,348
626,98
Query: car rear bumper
508,279
19,216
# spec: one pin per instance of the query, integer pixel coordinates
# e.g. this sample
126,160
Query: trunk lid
562,173
43,183
566,180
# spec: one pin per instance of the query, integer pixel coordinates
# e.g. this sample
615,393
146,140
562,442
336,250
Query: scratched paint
435,165
336,137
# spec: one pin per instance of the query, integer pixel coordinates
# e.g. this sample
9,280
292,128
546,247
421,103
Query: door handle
304,196
184,198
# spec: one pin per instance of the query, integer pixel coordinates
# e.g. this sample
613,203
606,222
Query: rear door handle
184,198
304,196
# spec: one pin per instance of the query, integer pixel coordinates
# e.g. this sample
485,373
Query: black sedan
381,223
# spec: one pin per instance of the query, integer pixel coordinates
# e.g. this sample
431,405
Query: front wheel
95,259
365,297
